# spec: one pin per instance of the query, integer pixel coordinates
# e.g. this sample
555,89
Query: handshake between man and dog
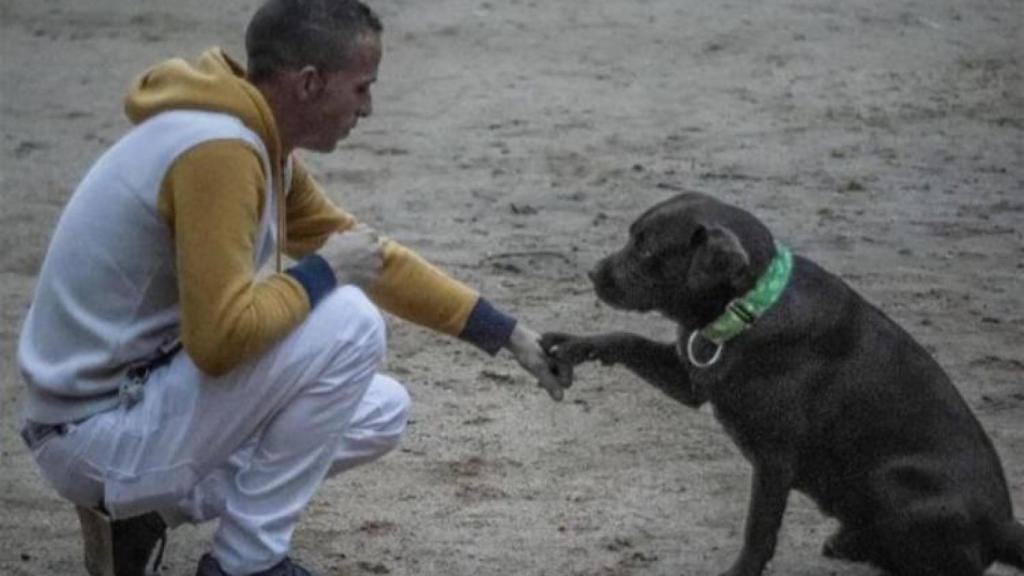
820,390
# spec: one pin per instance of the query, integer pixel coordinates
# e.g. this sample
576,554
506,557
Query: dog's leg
655,362
1009,544
934,536
770,487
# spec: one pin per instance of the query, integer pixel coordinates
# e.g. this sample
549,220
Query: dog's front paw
847,544
737,571
744,567
573,350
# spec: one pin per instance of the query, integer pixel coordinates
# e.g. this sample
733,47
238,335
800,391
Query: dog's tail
1009,544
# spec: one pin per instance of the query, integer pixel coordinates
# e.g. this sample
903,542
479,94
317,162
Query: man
168,379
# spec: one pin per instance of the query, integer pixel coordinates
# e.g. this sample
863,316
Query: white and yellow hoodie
164,237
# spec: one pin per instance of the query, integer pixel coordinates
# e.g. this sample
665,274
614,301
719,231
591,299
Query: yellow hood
215,83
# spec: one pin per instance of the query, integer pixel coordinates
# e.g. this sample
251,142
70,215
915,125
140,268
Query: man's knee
394,408
382,416
378,426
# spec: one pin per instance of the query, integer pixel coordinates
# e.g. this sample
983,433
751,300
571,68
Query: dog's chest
736,425
753,413
756,410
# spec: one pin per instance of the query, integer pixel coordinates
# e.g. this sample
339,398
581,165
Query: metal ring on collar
693,357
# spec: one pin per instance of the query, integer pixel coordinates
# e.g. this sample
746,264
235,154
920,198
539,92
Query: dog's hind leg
930,539
908,557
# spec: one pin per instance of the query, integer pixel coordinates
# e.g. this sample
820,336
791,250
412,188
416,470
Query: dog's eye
651,261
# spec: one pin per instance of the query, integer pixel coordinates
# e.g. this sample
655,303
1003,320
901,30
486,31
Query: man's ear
309,83
718,259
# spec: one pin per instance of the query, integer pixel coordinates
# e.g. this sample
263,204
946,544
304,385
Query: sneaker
208,566
121,547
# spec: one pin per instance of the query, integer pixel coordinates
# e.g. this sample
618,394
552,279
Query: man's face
344,97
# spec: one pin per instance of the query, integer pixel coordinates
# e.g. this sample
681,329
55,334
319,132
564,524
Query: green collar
742,312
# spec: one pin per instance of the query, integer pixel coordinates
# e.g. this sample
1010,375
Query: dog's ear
718,258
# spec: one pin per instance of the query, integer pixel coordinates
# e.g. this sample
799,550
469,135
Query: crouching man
176,371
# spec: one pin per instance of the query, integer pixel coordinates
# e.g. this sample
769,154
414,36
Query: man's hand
525,346
355,256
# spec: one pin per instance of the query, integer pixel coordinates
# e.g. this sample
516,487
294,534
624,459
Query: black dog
821,391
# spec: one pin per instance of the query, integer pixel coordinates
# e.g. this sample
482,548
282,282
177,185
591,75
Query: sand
512,143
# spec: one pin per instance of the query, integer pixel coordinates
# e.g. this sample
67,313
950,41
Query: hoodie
221,205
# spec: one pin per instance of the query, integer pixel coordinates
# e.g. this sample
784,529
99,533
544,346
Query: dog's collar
742,312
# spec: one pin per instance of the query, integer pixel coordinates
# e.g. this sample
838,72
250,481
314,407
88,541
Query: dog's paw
737,571
745,566
848,545
570,349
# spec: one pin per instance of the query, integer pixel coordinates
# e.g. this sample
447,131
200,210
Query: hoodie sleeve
312,217
408,286
212,198
411,288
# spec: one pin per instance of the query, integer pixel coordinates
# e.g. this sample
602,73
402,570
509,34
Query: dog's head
687,258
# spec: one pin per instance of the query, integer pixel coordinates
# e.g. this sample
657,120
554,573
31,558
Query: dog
820,390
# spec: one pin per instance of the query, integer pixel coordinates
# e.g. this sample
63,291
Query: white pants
249,448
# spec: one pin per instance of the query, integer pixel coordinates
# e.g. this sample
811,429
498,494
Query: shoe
208,566
121,547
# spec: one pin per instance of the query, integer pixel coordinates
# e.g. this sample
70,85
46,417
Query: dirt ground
512,143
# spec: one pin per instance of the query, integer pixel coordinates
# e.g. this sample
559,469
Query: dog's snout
600,272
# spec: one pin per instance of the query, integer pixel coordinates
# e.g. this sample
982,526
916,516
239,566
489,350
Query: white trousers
249,448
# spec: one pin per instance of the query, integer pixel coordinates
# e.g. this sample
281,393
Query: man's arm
413,289
212,198
310,215
407,286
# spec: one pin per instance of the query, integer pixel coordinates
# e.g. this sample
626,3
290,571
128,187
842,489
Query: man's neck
275,100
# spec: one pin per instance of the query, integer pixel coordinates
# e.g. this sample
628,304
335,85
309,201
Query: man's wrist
315,276
488,328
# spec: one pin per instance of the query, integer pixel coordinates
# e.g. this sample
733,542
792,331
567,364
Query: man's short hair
291,34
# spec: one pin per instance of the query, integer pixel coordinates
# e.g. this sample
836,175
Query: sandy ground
512,143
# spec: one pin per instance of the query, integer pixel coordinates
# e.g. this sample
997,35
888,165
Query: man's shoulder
197,125
160,141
